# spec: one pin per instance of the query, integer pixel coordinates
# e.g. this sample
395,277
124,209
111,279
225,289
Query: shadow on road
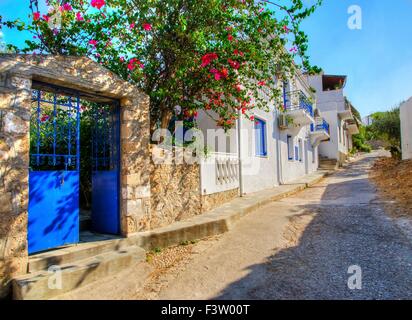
343,229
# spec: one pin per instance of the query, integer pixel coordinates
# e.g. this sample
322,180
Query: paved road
301,248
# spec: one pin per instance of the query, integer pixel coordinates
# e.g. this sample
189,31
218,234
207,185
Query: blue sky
377,59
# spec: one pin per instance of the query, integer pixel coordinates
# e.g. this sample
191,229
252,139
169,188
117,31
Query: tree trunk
166,116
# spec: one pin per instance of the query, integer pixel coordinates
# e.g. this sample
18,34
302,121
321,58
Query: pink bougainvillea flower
216,73
219,75
233,64
93,42
121,59
236,52
132,25
36,16
252,118
79,17
46,18
98,4
67,7
261,83
133,63
208,58
147,26
293,49
286,29
224,72
229,37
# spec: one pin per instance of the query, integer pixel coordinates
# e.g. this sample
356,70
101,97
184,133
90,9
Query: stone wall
212,201
14,155
175,190
176,194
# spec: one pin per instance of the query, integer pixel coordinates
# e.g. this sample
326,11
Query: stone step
43,261
331,166
40,285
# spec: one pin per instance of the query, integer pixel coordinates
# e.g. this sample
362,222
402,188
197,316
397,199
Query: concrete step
328,164
329,161
70,254
331,166
41,285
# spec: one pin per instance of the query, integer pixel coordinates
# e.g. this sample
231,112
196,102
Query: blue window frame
296,153
260,137
290,147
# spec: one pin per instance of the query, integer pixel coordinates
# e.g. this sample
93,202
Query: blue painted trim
260,138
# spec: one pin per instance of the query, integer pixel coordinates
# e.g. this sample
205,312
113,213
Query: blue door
105,173
53,215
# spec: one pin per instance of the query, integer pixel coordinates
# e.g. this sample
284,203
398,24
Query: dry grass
394,181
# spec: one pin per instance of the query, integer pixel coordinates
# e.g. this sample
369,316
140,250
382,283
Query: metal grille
105,146
54,131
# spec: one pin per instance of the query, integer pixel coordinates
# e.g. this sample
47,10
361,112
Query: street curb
220,220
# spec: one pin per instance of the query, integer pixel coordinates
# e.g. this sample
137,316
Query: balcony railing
320,125
297,100
219,173
319,131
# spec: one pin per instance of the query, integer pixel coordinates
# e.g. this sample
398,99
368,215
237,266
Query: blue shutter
260,137
290,148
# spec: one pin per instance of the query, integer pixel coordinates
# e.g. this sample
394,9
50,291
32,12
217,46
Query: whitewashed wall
406,129
330,103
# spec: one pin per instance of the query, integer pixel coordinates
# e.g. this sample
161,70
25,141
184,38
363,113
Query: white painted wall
406,129
294,169
266,172
330,104
259,173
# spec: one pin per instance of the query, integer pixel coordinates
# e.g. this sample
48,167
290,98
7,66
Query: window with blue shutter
290,147
260,135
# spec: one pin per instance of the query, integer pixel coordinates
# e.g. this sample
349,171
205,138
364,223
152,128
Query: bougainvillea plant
221,56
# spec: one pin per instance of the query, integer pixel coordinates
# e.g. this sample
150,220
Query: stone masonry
16,75
176,194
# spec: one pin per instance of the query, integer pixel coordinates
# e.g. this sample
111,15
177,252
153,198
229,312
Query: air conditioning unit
283,122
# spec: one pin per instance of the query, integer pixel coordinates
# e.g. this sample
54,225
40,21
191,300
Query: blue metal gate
105,174
57,117
54,170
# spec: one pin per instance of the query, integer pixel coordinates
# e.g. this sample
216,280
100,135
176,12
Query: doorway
74,167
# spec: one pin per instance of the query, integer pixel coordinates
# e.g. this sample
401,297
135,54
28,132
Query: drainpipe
278,152
239,150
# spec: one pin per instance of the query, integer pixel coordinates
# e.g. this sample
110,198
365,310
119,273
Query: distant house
406,129
367,121
338,112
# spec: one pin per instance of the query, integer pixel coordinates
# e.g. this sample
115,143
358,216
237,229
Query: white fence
219,172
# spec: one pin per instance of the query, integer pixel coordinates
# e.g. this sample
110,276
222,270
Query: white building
278,147
337,111
367,121
406,129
